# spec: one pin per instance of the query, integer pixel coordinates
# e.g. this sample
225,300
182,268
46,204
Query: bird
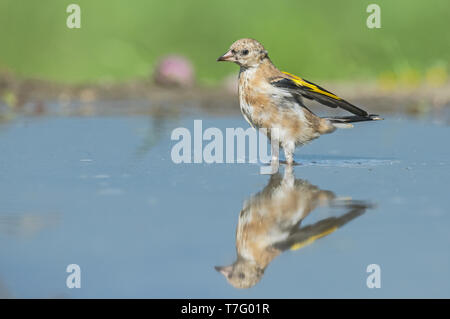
273,100
270,223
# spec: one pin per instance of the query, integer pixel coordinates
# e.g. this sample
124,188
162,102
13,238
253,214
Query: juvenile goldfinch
271,222
272,99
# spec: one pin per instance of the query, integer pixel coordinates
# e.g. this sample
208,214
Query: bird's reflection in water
270,223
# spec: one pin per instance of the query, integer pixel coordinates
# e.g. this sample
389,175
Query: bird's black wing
314,92
306,235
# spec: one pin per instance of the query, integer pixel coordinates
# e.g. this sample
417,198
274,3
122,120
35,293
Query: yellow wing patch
312,239
313,87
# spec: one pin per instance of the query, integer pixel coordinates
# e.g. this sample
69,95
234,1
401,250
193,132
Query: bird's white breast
244,79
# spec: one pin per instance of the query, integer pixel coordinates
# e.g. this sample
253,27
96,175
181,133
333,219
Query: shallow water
103,193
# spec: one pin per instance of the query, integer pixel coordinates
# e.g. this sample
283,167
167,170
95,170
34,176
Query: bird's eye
244,52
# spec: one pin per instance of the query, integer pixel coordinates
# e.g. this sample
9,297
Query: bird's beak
224,270
227,56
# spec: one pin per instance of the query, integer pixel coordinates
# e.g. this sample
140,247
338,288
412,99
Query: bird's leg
289,153
275,162
275,153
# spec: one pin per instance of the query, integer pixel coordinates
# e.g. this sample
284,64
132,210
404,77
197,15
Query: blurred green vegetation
120,40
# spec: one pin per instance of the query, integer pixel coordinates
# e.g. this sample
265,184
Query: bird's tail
344,121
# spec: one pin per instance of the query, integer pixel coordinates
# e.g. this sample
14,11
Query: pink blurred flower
174,70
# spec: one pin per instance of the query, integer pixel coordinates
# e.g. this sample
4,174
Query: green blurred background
121,40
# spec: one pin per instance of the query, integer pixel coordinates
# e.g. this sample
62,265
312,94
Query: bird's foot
290,163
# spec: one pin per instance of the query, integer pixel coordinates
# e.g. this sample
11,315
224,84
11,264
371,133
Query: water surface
103,193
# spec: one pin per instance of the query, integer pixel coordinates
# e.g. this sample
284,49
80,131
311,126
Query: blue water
103,193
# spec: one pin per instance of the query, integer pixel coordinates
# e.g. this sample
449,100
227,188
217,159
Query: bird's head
241,274
246,53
